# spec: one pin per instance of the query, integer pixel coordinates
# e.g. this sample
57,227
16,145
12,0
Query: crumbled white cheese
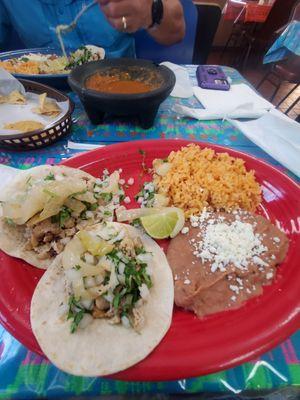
185,230
269,275
186,281
121,181
239,281
233,298
127,200
276,239
224,243
89,214
130,181
234,288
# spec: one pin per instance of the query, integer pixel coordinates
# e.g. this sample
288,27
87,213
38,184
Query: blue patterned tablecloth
287,43
23,374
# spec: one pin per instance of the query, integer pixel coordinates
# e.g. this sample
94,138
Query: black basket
40,138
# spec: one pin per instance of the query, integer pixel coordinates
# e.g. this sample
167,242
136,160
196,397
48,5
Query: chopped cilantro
126,295
49,177
116,301
24,59
62,216
165,159
90,206
136,222
76,312
142,152
140,250
107,197
107,213
77,267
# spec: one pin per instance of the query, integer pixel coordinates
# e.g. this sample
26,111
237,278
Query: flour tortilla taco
44,207
105,303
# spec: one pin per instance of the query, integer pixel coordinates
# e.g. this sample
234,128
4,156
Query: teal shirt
35,22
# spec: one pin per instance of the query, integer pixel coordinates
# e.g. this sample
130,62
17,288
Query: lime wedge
163,224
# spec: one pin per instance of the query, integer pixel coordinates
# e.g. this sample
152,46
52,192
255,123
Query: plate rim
5,54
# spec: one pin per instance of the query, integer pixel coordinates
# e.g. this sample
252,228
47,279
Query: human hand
127,15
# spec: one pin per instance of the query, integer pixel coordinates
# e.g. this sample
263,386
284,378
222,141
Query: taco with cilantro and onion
44,207
105,303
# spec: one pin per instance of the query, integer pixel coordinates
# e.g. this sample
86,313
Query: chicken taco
44,207
105,303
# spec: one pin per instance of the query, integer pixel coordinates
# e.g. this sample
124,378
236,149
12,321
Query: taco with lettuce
44,207
105,303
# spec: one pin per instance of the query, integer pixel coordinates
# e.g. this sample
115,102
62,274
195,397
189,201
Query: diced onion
121,268
144,258
144,291
161,168
123,214
113,183
89,258
121,279
125,322
99,279
89,282
87,304
160,200
87,319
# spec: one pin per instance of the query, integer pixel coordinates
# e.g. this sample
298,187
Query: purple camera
212,77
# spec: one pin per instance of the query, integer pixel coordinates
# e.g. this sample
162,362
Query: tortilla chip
24,126
15,97
47,107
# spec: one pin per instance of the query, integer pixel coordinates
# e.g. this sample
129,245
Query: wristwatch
157,12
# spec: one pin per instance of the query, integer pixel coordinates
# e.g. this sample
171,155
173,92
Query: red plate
192,347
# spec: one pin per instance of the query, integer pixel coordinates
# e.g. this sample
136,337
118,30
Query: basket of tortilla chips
34,119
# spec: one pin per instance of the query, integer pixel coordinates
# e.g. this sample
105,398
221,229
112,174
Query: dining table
26,375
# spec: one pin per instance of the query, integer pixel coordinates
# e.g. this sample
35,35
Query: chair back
181,53
209,15
278,17
295,15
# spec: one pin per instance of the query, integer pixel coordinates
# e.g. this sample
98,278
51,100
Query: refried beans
224,259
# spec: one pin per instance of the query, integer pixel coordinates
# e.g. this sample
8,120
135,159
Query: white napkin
9,83
239,102
277,135
83,146
244,111
183,87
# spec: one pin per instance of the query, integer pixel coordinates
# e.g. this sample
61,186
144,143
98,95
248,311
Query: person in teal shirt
108,23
